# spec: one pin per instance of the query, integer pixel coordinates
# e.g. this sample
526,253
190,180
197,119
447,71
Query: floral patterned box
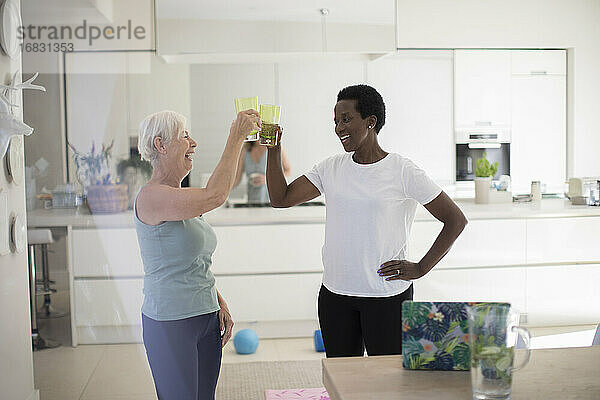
435,336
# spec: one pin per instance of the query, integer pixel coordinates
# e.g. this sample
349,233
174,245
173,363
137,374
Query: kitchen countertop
81,218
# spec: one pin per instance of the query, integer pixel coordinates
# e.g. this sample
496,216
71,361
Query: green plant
483,168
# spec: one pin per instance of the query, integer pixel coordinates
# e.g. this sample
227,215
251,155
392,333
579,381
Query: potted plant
93,172
484,171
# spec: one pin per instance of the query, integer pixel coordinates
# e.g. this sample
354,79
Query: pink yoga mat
297,394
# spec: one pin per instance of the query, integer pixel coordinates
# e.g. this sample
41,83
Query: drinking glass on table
493,333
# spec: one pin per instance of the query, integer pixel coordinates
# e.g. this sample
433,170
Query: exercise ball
245,341
319,346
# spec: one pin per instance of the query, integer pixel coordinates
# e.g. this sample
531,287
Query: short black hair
368,102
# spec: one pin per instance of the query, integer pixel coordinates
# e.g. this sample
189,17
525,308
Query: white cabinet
482,88
106,253
482,243
538,62
539,126
563,295
277,282
474,284
264,28
272,297
417,87
264,249
563,240
115,302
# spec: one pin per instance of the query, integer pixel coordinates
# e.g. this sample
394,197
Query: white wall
570,24
16,362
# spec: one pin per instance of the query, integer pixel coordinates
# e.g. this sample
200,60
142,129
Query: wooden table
567,373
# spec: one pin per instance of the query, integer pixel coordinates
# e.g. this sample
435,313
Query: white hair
163,124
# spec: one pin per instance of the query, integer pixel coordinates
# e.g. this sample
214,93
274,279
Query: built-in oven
472,144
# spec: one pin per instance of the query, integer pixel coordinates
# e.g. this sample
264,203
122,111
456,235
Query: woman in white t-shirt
371,197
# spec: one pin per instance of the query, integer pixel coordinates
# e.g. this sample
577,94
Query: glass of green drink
269,133
247,103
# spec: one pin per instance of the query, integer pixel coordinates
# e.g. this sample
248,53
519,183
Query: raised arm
285,163
281,194
159,203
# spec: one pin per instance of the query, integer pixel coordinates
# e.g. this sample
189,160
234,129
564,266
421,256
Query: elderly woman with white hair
185,320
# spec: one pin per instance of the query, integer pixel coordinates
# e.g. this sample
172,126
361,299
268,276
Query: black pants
349,323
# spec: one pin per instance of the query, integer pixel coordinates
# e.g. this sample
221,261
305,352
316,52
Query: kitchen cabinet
263,249
538,62
541,258
106,253
110,302
563,295
482,243
482,88
271,297
539,124
186,30
563,240
263,274
126,87
417,87
475,284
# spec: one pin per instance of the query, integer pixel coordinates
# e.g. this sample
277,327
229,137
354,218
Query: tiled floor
102,372
121,372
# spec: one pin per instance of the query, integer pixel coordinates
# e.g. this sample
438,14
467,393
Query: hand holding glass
247,103
269,133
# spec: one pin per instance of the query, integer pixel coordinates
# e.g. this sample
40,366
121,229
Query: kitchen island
542,257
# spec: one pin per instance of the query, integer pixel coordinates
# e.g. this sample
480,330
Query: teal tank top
177,256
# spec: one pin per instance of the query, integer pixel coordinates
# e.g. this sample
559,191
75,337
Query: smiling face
350,127
180,152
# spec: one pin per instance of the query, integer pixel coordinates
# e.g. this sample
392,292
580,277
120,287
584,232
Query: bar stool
43,237
38,237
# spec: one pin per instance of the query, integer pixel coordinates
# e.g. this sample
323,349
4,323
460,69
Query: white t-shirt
370,211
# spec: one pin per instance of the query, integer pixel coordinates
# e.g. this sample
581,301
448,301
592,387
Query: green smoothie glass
269,133
247,103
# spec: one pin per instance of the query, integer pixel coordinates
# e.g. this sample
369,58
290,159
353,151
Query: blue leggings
184,356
